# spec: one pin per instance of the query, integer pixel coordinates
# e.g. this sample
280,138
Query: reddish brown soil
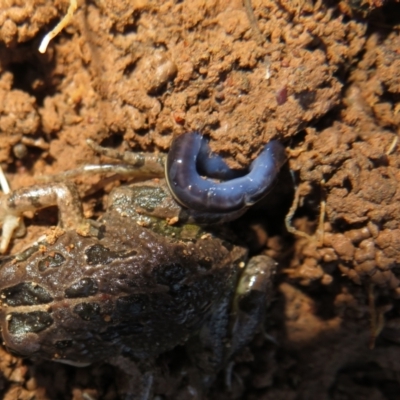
323,78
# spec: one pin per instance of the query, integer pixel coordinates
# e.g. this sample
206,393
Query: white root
73,5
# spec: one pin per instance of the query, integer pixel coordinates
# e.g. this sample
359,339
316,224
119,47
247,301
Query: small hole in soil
46,217
297,140
115,140
347,185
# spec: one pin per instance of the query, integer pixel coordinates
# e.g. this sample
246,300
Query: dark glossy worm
189,154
